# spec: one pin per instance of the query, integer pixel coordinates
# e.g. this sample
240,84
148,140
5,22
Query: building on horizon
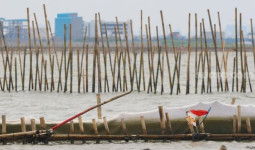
69,18
110,25
10,28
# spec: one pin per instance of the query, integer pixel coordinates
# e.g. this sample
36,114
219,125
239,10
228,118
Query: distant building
10,28
69,18
110,25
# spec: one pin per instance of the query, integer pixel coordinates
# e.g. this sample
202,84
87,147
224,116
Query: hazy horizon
175,12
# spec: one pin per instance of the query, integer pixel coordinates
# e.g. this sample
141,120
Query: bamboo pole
106,84
188,62
83,52
143,125
202,59
149,63
123,58
45,76
206,51
36,54
78,70
175,58
47,33
24,68
248,125
60,71
252,40
233,101
162,119
71,131
128,53
141,58
236,61
234,124
42,123
54,45
95,126
162,73
99,110
233,76
159,62
20,61
106,126
135,56
223,54
3,124
169,123
239,119
23,129
151,54
81,125
33,125
10,72
4,128
87,80
52,76
94,58
241,53
166,51
97,48
178,75
108,48
16,76
196,66
30,52
42,51
215,49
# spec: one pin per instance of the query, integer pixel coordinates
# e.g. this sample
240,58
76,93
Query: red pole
87,110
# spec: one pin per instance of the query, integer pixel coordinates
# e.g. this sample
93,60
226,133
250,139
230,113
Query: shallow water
60,106
180,145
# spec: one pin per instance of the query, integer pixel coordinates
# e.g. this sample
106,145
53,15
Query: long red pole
87,110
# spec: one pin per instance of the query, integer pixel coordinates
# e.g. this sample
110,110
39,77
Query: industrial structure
110,25
10,28
69,18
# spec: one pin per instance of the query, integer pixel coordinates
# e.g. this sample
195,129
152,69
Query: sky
175,11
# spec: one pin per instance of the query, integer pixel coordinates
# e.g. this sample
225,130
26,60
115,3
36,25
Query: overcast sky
175,11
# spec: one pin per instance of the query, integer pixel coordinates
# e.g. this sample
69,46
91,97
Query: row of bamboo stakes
38,77
165,125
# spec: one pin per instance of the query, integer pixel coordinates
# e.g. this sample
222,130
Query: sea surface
56,107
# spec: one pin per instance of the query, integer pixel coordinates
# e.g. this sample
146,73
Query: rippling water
59,106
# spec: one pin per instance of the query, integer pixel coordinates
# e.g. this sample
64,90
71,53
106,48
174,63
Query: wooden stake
166,51
23,129
143,125
233,101
99,111
248,125
162,119
95,126
169,123
3,124
42,123
106,126
71,130
234,124
33,126
239,118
